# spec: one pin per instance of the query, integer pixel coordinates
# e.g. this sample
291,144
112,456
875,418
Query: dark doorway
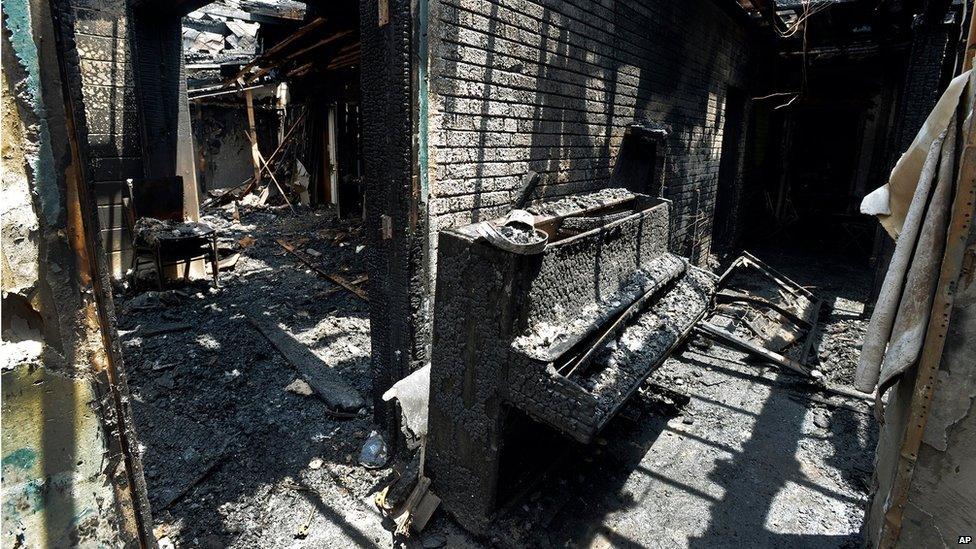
723,229
811,158
350,161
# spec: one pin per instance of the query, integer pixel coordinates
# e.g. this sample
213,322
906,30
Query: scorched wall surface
105,75
551,86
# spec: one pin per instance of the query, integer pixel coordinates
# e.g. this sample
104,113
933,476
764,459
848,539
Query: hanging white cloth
891,201
913,207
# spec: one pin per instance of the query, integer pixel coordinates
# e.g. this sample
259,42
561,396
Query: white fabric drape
914,208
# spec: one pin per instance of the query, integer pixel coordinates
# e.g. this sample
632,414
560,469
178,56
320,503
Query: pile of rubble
226,31
226,419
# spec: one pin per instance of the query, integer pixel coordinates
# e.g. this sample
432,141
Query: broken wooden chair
160,236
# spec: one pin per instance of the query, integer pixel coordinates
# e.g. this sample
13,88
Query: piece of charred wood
334,278
339,396
757,350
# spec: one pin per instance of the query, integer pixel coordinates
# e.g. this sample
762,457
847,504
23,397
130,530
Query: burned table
154,211
167,243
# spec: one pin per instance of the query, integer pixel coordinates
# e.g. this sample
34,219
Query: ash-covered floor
231,454
233,458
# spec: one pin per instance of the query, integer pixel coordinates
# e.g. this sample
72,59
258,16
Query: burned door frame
393,131
96,334
728,188
396,209
96,322
396,220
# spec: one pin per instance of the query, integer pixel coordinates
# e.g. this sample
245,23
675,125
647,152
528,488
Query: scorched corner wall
551,86
71,472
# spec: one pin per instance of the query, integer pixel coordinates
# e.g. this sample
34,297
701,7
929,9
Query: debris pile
235,432
227,421
764,318
227,31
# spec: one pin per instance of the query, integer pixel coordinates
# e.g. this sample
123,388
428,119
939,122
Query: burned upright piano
559,338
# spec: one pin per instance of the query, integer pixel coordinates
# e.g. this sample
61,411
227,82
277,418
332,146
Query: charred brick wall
131,77
102,32
518,85
160,81
925,80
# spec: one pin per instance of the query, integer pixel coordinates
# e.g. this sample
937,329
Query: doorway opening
724,224
250,376
811,161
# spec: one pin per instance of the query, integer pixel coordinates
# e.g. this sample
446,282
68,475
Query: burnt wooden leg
214,263
159,267
134,264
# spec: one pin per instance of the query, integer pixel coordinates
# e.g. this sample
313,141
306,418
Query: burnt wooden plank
328,384
334,278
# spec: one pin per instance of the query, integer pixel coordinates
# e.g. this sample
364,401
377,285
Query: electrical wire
810,8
